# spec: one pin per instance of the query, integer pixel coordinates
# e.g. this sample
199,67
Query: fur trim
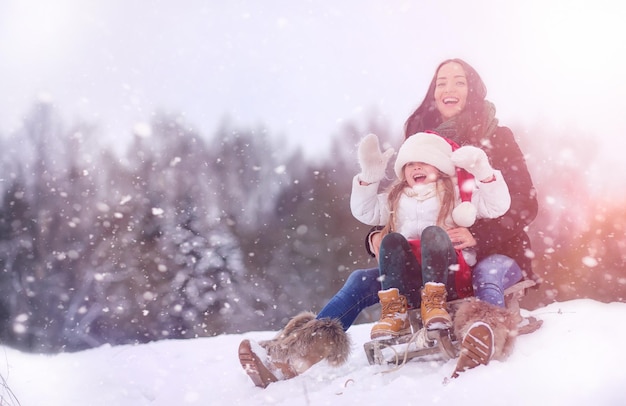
464,215
305,341
294,324
503,323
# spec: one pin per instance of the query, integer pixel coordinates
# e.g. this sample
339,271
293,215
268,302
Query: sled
439,344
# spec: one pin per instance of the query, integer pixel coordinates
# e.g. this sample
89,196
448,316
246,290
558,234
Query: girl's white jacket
416,213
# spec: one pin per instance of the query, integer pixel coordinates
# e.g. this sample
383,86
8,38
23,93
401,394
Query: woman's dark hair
427,118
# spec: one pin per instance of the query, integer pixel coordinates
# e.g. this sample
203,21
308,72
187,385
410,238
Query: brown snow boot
304,342
394,320
434,313
488,332
252,363
476,349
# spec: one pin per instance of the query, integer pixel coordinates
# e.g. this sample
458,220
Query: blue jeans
358,293
492,275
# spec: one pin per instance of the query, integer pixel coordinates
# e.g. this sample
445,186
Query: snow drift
576,358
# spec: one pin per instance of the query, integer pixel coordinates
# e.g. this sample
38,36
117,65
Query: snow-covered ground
576,358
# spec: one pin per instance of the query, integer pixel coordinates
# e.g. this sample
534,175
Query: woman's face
420,173
450,90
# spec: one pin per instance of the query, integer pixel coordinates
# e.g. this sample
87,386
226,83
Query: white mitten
474,160
372,161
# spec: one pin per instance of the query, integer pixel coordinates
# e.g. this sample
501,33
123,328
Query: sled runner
428,345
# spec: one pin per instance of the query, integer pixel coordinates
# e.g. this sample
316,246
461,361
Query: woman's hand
461,238
374,239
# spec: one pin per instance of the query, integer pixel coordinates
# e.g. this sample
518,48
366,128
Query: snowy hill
576,358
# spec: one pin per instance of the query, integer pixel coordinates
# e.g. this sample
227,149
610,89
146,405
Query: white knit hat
428,148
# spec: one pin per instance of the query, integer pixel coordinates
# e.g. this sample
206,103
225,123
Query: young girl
424,202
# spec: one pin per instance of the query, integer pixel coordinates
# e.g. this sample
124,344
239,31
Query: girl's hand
475,161
372,161
461,238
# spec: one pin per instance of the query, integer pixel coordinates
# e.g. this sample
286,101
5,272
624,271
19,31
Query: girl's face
450,90
419,173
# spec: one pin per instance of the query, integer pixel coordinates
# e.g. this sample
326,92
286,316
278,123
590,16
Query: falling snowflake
590,262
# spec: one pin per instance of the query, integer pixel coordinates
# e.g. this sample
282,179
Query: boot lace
435,300
390,308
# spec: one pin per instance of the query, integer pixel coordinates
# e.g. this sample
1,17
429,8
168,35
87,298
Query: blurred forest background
187,235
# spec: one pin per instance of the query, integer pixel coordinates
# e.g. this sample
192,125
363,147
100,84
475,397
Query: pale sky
301,68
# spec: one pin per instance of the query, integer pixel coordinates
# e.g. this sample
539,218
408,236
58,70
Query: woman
456,108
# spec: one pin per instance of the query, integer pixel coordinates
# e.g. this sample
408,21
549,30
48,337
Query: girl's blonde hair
445,193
